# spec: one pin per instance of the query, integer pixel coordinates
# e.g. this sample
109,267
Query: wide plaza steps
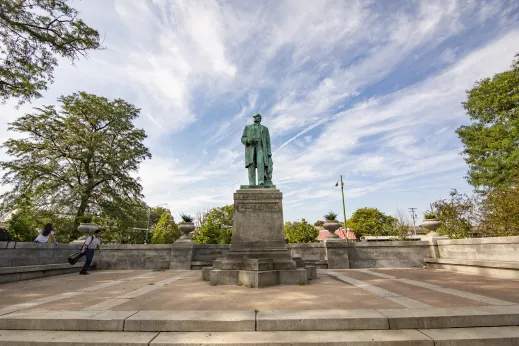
487,336
486,325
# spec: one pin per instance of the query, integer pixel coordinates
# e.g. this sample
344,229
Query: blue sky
371,90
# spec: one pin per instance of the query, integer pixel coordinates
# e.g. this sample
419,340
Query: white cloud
367,89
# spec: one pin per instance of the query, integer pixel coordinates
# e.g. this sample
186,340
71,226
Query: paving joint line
144,289
124,321
64,295
381,292
149,343
451,291
427,336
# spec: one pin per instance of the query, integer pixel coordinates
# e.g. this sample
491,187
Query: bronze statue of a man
258,154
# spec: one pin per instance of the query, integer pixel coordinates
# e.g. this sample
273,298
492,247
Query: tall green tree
216,227
300,232
79,158
25,223
33,35
166,231
458,215
500,212
491,141
370,221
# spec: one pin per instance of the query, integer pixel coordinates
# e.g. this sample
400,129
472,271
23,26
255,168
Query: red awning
340,232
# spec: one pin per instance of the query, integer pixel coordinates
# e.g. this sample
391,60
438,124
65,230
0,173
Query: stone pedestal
258,256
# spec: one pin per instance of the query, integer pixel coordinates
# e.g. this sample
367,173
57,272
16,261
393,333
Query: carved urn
186,228
331,226
87,228
431,224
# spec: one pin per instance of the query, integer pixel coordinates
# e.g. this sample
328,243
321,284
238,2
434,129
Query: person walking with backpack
91,244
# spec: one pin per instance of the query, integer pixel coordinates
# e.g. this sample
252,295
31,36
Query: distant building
340,232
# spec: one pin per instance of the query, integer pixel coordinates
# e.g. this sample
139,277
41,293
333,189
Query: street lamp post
149,217
344,210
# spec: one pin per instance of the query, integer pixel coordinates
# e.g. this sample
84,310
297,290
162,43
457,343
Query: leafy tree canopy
166,231
216,227
300,232
33,34
457,215
491,142
500,212
76,160
370,221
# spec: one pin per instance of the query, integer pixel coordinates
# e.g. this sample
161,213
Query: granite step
488,336
250,321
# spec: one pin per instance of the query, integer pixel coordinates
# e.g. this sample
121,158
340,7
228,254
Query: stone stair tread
425,337
247,320
278,320
65,320
195,320
74,338
482,334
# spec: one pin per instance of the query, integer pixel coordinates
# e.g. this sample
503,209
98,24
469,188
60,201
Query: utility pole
344,210
413,215
148,227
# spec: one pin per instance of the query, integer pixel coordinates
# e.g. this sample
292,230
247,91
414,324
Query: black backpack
72,259
4,235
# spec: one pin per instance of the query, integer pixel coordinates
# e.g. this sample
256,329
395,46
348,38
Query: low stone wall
496,257
313,253
332,255
489,249
133,257
14,254
184,256
17,254
388,254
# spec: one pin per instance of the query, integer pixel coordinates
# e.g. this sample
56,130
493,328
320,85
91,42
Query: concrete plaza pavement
148,290
346,307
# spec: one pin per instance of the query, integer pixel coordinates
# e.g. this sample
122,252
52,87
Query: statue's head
257,118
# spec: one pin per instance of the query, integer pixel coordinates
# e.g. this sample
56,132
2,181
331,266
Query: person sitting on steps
88,248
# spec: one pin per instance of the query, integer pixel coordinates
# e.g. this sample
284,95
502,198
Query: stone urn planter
87,229
431,224
331,226
186,228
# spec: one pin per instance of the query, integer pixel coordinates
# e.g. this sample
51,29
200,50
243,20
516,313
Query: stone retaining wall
341,255
489,249
334,255
389,254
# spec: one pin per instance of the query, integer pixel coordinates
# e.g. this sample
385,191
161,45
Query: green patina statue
258,154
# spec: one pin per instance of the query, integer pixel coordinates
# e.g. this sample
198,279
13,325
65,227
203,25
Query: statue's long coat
265,143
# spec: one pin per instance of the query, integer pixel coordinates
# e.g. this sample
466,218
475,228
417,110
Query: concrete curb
321,320
314,338
242,321
501,336
483,316
65,320
192,321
